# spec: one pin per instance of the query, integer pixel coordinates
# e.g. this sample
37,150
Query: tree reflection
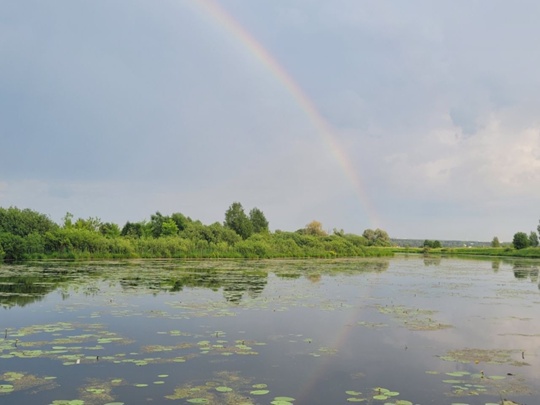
495,265
432,260
23,285
524,270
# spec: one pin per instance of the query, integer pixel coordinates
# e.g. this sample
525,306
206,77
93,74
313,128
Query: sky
421,118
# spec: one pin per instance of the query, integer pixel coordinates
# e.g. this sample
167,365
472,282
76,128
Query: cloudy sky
419,117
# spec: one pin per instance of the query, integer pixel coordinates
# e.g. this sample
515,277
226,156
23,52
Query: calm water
406,330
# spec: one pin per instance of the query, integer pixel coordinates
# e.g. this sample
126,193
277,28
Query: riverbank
533,253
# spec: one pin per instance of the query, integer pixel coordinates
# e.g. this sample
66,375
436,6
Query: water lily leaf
380,397
288,399
5,388
197,400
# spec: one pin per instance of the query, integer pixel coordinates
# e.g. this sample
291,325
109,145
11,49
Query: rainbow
325,131
224,19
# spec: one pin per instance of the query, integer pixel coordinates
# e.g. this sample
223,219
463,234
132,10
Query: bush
13,246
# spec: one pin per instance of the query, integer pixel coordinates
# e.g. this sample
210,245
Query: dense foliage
26,234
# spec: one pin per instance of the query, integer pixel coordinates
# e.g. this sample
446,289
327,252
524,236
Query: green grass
533,252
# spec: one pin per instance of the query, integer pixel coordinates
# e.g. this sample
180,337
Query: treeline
521,240
26,234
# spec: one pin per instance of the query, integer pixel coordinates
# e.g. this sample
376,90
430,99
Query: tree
24,222
338,232
521,240
533,239
169,228
90,224
258,221
314,228
67,220
435,244
377,237
13,246
181,220
135,229
109,229
495,242
156,224
237,220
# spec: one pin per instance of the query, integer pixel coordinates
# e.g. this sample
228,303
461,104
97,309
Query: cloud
435,106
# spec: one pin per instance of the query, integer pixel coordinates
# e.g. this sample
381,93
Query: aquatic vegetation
413,318
377,394
16,381
171,330
493,356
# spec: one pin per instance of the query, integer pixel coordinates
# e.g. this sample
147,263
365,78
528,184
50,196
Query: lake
403,330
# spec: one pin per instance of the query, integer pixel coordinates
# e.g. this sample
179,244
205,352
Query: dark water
392,331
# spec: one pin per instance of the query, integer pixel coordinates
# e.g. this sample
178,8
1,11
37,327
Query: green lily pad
5,388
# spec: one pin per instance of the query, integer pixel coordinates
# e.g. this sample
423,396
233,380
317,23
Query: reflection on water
409,330
432,260
496,265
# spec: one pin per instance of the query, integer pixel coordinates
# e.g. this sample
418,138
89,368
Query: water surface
406,330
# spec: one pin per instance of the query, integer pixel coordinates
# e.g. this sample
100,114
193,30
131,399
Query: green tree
258,221
338,232
109,230
169,228
533,239
91,224
156,224
135,229
67,220
13,246
24,222
434,244
237,220
181,221
377,237
495,242
521,240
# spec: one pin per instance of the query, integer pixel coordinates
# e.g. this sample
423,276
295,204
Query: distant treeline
26,234
443,243
508,251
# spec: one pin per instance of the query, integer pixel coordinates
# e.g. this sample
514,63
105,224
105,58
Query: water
406,330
